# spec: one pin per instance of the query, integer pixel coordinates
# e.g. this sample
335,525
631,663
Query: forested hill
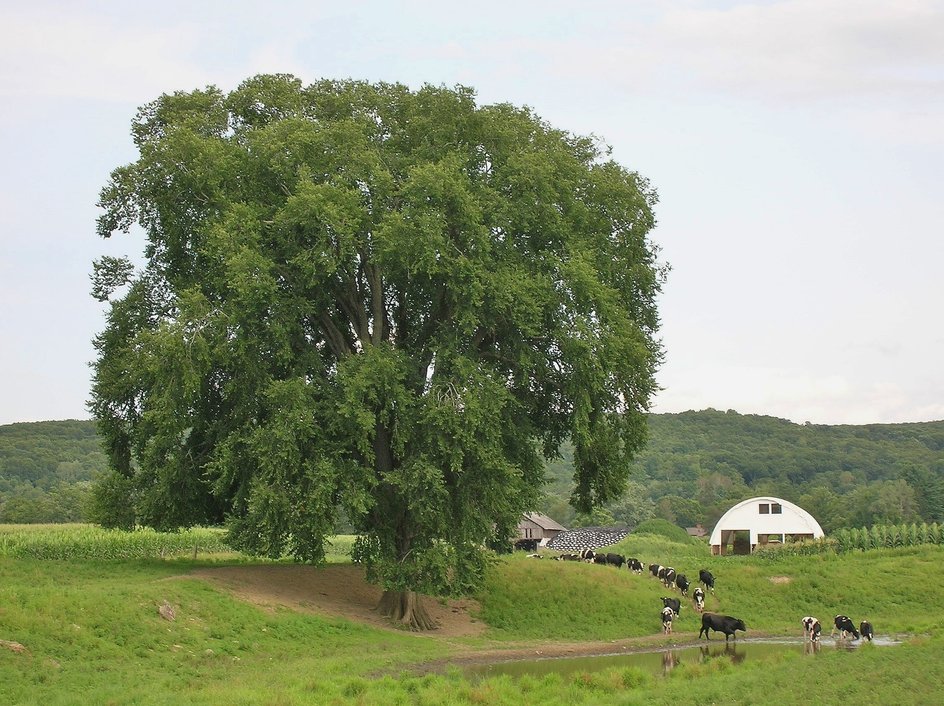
46,469
697,464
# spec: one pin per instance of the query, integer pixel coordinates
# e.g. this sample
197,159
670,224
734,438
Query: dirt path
341,591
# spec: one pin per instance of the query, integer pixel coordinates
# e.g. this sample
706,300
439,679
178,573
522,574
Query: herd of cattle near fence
715,622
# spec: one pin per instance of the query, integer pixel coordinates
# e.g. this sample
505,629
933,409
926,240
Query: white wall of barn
746,515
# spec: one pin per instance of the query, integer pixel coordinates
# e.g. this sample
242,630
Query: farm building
759,521
534,525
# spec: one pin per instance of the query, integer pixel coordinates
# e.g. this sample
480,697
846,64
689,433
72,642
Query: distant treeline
696,465
46,470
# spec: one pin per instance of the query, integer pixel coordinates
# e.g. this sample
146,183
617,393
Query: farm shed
534,525
759,521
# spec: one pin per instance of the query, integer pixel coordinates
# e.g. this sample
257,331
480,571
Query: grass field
92,634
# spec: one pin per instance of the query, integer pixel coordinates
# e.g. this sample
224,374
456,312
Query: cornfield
74,541
861,539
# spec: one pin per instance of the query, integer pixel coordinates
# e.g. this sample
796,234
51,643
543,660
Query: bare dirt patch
780,579
335,591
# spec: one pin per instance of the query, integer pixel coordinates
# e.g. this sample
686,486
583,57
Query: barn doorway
735,542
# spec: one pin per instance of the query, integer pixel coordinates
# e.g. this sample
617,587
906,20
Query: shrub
663,528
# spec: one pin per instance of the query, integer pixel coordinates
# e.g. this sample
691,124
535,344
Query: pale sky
797,147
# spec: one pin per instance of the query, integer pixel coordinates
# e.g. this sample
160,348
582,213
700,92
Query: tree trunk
406,607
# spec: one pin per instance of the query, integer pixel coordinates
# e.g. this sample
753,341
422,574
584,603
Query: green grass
93,634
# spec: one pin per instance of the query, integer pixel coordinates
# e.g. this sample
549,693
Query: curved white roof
746,516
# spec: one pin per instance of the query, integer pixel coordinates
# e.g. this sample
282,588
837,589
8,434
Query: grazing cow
587,555
660,574
811,628
634,565
599,558
567,557
865,627
667,620
681,582
674,603
669,578
845,627
720,623
616,560
699,595
705,577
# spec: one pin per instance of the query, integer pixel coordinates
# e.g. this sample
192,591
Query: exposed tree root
406,607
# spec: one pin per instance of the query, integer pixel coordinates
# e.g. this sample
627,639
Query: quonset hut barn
760,521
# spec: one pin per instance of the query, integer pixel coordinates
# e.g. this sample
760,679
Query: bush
663,528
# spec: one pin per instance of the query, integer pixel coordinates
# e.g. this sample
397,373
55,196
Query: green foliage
665,529
46,469
366,301
696,465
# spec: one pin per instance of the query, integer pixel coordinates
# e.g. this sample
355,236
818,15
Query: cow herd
842,624
715,622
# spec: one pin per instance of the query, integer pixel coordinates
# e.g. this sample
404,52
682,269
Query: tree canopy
366,299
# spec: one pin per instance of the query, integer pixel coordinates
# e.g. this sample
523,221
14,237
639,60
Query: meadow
91,632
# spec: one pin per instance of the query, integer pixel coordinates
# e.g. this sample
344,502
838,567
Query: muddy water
665,659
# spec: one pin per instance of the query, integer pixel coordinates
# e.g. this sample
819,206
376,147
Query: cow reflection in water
670,660
811,648
728,650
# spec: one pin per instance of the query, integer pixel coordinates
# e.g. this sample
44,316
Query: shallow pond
664,659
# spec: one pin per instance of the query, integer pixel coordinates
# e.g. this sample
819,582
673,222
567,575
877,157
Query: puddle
664,659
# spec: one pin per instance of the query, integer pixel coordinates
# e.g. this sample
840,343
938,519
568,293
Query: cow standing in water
811,628
865,627
667,615
845,627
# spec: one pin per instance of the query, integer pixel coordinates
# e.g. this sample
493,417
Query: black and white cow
616,560
667,620
845,627
865,627
705,577
811,628
699,596
587,555
720,623
634,565
674,603
669,577
568,557
599,558
681,583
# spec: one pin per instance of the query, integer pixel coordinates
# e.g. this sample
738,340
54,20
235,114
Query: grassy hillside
92,634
